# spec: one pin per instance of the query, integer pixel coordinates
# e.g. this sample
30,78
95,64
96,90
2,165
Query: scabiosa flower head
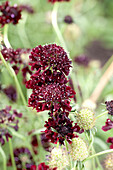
68,19
42,166
58,158
82,60
10,14
108,163
59,127
34,143
22,157
78,149
109,107
110,140
50,56
8,120
85,118
11,93
108,125
51,97
53,1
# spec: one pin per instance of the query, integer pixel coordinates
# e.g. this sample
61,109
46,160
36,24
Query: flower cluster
109,122
53,1
8,120
9,14
23,158
50,92
42,166
18,59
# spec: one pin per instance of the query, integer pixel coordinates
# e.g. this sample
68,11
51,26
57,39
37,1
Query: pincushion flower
23,158
59,127
11,93
45,142
42,166
109,107
108,125
82,60
51,97
110,140
68,19
50,56
8,120
9,14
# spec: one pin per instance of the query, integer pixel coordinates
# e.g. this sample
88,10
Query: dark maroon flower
9,14
108,126
110,140
51,97
47,77
8,120
109,107
71,85
11,93
53,1
27,8
34,143
22,157
50,56
59,127
42,166
68,19
45,142
82,60
25,70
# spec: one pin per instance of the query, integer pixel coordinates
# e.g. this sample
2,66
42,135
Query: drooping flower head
109,107
8,120
53,1
9,14
23,157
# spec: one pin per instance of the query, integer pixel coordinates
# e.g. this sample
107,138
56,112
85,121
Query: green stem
4,159
98,154
55,25
12,73
102,114
12,155
6,41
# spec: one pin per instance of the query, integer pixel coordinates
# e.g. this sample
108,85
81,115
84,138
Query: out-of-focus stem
6,41
102,83
98,154
12,155
55,25
12,73
102,114
4,159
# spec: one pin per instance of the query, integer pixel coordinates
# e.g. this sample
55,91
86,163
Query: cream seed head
108,163
85,118
58,158
78,149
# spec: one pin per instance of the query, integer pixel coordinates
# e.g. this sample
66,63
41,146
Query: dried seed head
78,149
58,158
109,162
85,118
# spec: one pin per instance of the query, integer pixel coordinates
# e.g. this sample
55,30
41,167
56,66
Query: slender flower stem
4,158
6,41
12,73
102,114
12,155
55,25
98,154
